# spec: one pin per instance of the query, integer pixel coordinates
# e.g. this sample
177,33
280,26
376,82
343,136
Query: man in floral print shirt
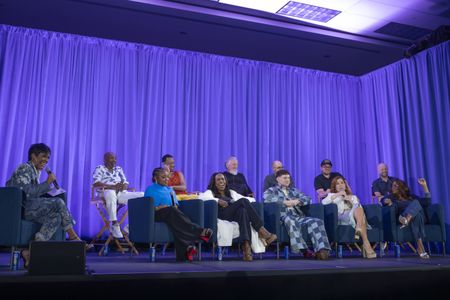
111,178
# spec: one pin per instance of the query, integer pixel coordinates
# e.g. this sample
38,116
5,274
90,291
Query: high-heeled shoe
206,235
247,251
404,221
266,237
424,255
25,255
369,255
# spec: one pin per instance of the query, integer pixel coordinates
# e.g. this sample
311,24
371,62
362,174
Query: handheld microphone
171,196
55,184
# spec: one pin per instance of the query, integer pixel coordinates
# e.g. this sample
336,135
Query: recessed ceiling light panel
308,12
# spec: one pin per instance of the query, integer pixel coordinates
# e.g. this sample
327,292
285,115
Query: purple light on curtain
84,96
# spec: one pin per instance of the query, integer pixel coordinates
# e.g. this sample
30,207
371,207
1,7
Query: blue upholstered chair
346,233
210,216
15,231
273,224
434,226
144,229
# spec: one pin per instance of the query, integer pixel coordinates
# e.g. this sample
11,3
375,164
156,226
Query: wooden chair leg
375,246
105,225
349,247
131,245
412,247
119,246
100,253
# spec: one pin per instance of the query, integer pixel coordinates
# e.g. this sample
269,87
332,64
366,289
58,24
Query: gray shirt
271,181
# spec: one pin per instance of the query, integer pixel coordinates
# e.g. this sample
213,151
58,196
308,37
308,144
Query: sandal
25,255
86,247
424,255
371,254
403,220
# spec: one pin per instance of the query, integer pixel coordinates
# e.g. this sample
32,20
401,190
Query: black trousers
184,231
242,212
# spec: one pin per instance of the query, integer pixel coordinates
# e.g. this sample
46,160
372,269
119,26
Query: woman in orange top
176,178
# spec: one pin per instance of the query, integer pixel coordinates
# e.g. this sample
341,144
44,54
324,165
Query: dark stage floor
117,274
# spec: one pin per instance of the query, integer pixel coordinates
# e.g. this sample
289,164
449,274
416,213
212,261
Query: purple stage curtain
84,96
406,121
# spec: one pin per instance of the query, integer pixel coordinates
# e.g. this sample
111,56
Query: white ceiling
218,28
364,16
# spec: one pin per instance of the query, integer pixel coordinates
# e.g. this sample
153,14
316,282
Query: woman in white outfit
350,212
234,207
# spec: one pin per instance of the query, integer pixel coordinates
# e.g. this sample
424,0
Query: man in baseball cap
322,182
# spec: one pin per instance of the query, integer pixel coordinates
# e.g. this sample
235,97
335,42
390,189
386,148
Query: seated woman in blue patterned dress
39,207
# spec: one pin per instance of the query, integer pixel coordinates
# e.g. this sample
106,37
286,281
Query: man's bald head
382,170
277,165
110,160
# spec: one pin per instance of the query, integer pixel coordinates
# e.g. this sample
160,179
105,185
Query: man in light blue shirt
184,231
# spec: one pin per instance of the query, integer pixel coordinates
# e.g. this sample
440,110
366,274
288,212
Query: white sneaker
115,231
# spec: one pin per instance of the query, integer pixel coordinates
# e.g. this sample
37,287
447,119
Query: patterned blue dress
50,212
294,220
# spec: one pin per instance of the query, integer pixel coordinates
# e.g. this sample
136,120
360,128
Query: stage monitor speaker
57,258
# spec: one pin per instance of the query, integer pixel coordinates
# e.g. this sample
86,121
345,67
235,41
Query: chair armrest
389,223
373,215
436,214
436,217
10,215
141,219
194,209
211,211
331,220
259,207
315,210
272,217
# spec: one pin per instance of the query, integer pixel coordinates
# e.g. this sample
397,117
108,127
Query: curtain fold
84,96
407,121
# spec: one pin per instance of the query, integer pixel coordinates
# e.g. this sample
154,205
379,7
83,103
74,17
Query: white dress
226,230
345,208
